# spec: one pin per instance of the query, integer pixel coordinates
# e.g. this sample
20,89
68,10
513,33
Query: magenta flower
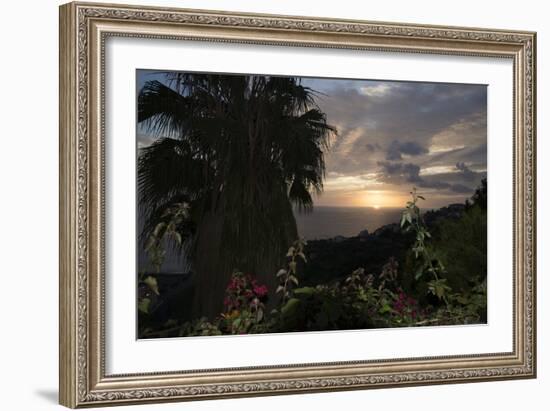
260,290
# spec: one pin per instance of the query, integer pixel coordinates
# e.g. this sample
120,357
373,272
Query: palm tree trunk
210,278
256,254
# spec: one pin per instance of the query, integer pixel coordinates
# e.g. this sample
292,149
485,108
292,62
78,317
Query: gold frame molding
84,27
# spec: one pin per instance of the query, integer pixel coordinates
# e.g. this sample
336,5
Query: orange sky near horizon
379,198
363,198
393,136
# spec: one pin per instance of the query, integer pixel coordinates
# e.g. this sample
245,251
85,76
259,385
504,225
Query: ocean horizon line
380,208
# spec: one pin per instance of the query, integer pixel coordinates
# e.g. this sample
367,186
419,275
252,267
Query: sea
321,223
329,222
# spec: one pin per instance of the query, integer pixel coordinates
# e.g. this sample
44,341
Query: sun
374,199
380,199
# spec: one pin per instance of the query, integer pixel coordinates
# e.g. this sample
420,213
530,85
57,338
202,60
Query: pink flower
260,290
232,284
398,306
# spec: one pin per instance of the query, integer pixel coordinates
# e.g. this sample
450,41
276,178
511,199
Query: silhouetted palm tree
240,151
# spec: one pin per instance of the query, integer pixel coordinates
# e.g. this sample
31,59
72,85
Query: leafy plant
288,276
389,273
406,310
360,300
239,176
428,263
147,301
244,304
169,227
462,247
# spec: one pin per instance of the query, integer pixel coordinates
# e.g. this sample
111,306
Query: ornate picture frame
84,29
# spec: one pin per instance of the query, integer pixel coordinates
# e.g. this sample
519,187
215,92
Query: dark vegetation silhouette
436,274
235,155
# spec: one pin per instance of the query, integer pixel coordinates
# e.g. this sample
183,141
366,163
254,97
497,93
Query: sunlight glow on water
329,222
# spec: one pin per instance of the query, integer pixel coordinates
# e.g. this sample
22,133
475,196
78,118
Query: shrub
447,285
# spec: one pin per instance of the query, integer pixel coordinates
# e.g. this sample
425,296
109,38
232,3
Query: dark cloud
408,173
439,185
459,188
393,135
399,172
397,148
442,124
468,174
471,154
371,148
442,185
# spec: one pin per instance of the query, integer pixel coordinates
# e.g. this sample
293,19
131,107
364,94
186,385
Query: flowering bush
242,292
244,304
360,301
406,310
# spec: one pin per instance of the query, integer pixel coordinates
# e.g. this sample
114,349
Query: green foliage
143,305
168,227
360,300
240,151
148,296
455,259
288,277
428,262
354,303
439,287
151,282
462,247
244,305
480,196
148,293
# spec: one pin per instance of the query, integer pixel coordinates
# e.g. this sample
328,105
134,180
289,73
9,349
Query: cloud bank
403,134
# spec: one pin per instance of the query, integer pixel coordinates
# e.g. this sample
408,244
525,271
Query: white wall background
29,189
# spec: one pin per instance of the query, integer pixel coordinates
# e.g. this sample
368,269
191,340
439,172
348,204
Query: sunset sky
393,136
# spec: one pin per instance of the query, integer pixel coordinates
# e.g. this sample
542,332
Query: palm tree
240,151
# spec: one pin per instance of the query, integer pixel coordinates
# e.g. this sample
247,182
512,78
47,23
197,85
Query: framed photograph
259,204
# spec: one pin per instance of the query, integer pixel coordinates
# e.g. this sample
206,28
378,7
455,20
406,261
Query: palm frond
241,151
162,110
168,168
